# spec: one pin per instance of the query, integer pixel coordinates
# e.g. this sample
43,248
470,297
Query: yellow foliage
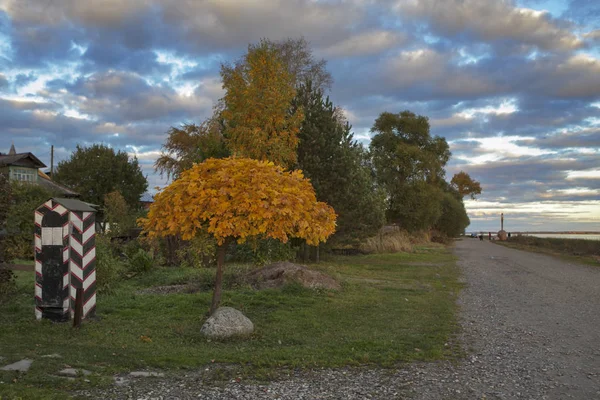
240,198
258,95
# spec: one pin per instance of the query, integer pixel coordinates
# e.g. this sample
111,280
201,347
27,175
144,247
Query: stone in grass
20,366
227,322
146,374
55,355
74,372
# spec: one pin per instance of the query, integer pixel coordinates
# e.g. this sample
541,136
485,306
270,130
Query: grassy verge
392,308
574,250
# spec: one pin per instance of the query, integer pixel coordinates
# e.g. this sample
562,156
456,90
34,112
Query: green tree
118,215
337,166
191,144
25,199
6,276
98,170
409,165
256,107
453,219
298,59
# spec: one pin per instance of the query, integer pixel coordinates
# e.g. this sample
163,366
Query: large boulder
281,273
227,322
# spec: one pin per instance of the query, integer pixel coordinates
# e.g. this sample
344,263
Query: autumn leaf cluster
240,198
258,93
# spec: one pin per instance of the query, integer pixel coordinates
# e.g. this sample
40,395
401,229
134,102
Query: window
23,174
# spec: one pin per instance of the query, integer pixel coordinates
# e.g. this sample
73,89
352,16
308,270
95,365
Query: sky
513,86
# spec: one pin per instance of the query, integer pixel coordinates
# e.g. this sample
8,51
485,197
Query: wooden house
25,167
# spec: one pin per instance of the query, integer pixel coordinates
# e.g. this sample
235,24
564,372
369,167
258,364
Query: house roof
147,198
45,181
21,160
75,205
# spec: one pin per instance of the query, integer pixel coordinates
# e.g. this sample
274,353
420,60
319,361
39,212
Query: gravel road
531,330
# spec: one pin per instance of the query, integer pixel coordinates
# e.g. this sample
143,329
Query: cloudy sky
513,86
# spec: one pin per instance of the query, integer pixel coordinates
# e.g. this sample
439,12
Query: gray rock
55,355
21,366
120,381
146,374
74,372
227,322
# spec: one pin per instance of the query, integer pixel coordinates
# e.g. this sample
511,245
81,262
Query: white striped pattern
76,246
90,303
72,292
89,232
75,270
77,223
38,266
38,242
38,291
65,280
38,314
66,230
60,209
66,254
38,218
66,304
89,280
88,257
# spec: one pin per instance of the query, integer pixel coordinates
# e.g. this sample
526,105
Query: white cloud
364,43
590,173
492,20
507,106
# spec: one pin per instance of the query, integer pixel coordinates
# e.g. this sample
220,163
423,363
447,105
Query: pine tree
337,166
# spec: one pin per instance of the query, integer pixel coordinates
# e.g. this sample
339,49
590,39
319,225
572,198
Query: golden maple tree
257,114
237,199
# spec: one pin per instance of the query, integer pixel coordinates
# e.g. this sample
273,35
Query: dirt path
531,330
532,323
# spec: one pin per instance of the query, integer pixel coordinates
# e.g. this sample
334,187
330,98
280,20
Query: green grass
392,308
574,250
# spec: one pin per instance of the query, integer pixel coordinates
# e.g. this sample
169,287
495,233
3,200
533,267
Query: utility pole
52,162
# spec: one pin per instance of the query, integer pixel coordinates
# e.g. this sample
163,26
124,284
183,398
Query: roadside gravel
530,330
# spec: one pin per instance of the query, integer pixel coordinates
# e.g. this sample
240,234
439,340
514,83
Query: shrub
7,283
393,242
198,252
141,261
26,198
108,264
263,251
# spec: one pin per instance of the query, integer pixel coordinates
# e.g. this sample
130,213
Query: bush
392,242
263,251
198,252
26,198
141,261
108,264
7,283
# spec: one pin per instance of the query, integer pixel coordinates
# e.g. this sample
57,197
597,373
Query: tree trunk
305,255
216,300
317,254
